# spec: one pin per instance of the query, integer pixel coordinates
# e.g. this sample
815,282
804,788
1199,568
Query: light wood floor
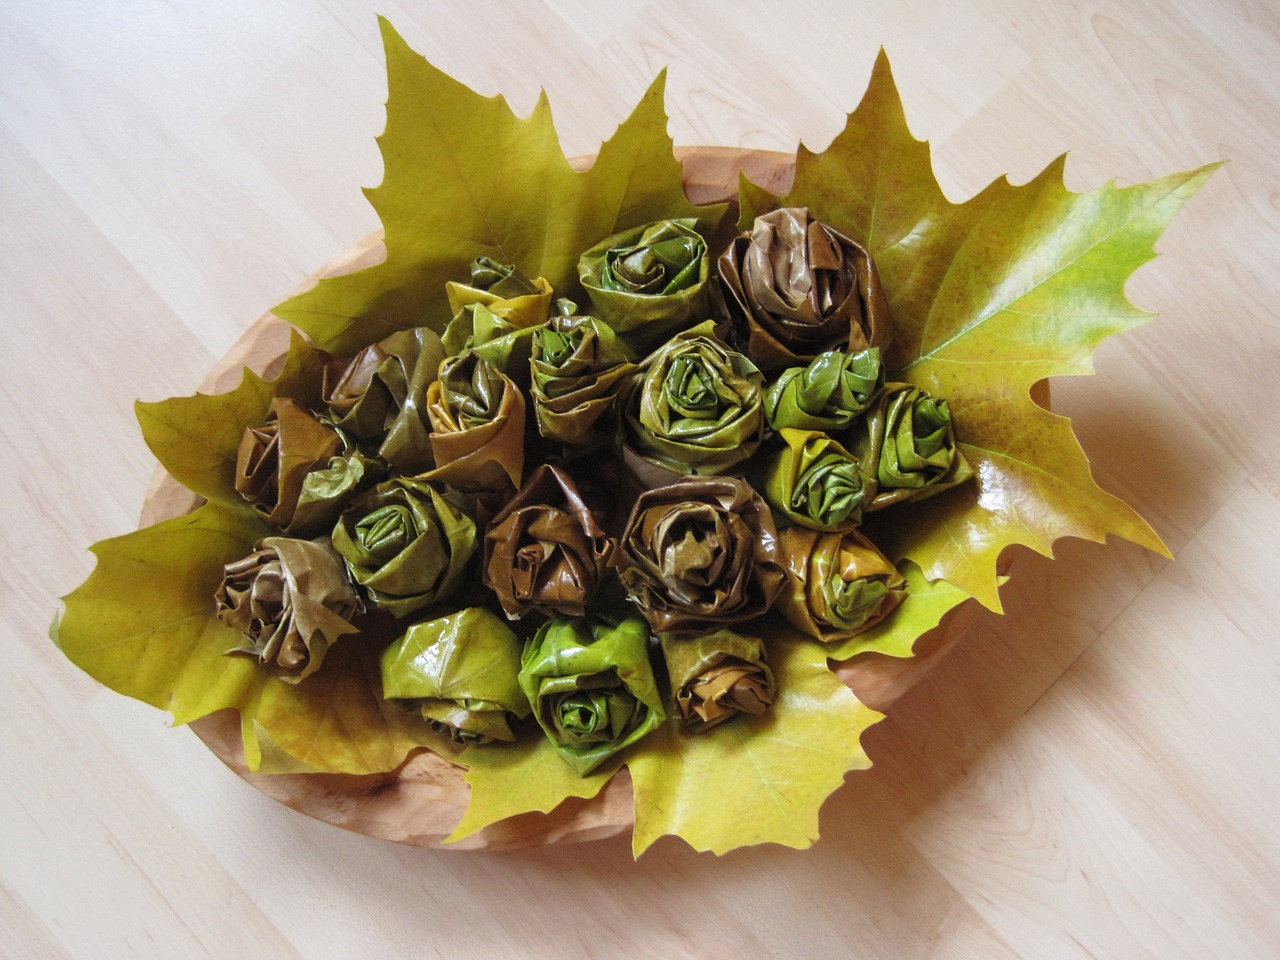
1093,775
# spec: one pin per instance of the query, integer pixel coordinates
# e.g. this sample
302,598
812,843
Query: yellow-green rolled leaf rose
291,600
795,288
477,419
275,458
694,406
460,671
496,316
827,394
907,445
838,584
405,545
815,482
649,282
700,553
379,396
717,676
578,366
591,687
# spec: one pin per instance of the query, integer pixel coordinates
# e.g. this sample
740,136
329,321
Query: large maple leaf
989,297
464,177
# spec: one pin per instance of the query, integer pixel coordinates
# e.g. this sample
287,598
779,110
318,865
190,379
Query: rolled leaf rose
907,444
379,396
546,550
815,482
694,406
838,584
496,314
699,554
649,282
461,672
578,366
405,545
291,600
796,288
717,676
274,459
327,489
477,419
591,687
828,394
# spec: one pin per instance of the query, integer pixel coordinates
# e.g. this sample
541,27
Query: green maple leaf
464,177
989,297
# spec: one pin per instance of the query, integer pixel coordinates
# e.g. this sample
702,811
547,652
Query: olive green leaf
466,178
757,779
988,297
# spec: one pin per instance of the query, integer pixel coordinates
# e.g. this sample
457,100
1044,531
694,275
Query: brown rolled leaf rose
379,396
838,584
274,459
578,366
700,553
477,421
796,288
717,676
546,550
291,600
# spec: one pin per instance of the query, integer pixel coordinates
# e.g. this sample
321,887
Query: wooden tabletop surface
1093,774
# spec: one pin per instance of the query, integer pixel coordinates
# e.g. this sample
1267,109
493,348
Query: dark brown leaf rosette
907,445
405,545
699,554
796,288
546,551
649,282
379,396
838,584
717,676
275,458
578,366
291,600
694,406
477,421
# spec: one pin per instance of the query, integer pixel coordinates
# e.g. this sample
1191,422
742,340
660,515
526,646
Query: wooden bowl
421,802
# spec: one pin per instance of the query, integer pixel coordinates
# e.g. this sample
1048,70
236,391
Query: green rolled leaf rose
717,676
496,314
578,366
815,482
405,545
379,396
274,459
699,554
838,584
827,394
907,445
795,288
327,489
693,407
591,687
461,673
649,282
291,601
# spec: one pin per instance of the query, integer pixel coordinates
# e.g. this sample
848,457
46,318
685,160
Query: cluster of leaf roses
694,409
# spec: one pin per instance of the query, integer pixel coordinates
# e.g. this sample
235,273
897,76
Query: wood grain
1090,775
